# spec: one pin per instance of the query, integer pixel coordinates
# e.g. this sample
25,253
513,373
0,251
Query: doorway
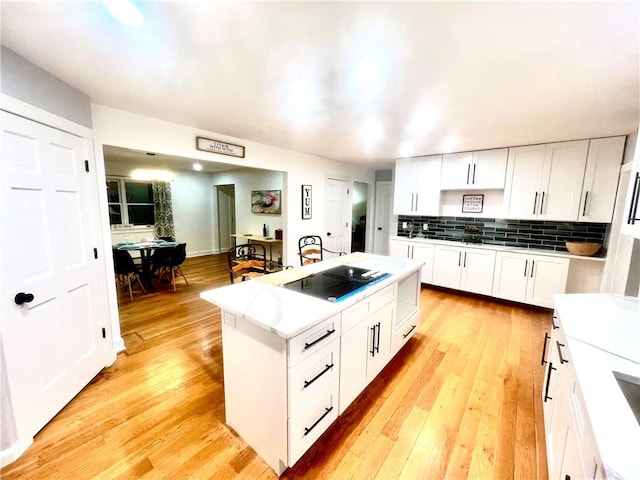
226,215
359,217
382,217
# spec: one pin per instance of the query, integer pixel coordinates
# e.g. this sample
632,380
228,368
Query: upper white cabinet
631,220
545,181
482,170
532,279
417,186
601,179
469,269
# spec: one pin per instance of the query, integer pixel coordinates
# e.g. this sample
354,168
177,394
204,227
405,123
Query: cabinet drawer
403,332
306,427
310,377
312,340
361,310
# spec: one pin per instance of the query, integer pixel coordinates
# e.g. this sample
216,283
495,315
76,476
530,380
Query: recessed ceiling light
125,12
197,167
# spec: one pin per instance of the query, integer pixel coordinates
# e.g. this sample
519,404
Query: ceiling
353,81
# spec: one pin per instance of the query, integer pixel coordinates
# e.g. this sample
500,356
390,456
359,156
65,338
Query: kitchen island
294,362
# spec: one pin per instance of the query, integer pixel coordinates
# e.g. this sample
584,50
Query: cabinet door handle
405,335
459,257
373,341
544,347
378,340
553,324
542,203
526,262
473,177
633,208
535,203
417,202
412,197
468,170
584,207
546,388
412,247
562,359
464,262
533,264
307,430
309,345
326,369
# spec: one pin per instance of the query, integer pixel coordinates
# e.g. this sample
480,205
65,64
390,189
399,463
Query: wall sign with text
306,202
472,203
216,146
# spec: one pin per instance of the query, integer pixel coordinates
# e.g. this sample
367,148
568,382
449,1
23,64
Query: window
130,202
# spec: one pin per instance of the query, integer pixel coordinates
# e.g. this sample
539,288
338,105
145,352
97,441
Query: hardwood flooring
461,400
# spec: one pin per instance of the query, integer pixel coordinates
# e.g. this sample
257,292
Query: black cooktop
337,283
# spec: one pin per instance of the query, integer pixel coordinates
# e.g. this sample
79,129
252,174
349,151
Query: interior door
53,340
337,215
226,216
383,218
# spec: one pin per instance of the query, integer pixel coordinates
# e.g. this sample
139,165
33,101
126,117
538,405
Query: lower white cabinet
529,278
469,269
571,449
416,251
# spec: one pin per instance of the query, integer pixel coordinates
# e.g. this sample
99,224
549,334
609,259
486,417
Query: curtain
163,213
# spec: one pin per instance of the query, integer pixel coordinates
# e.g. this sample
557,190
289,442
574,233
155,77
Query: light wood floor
461,400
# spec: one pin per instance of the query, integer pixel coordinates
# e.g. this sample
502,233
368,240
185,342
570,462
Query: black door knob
379,228
328,234
22,297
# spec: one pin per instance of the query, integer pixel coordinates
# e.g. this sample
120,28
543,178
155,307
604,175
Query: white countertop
603,335
500,248
288,313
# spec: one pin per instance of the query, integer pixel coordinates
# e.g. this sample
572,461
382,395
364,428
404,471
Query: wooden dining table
146,249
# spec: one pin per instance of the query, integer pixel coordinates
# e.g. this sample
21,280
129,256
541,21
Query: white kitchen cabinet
631,221
417,186
462,268
366,345
416,251
601,179
529,278
544,182
481,170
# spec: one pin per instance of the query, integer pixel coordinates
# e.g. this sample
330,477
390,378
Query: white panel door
424,252
337,216
547,276
562,180
404,186
524,174
428,185
489,168
510,276
447,266
477,271
383,218
53,342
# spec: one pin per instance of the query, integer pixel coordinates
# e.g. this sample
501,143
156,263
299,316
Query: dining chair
168,261
310,249
246,261
126,271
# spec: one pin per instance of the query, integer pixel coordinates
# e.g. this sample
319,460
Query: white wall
129,130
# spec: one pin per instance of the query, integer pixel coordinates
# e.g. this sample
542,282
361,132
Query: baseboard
14,452
201,253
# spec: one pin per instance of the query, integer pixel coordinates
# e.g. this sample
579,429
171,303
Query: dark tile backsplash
512,233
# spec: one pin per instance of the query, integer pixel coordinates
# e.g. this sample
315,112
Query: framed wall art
266,201
472,203
306,202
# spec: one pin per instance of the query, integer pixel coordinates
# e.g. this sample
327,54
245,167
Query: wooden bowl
585,249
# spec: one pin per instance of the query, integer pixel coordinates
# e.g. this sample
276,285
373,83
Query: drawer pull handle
553,324
562,359
307,430
546,389
544,347
309,345
413,327
309,382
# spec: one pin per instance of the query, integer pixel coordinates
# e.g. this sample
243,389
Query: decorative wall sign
472,203
306,202
216,146
266,201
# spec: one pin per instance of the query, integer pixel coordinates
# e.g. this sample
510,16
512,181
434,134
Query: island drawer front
306,427
311,376
361,310
403,332
312,340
